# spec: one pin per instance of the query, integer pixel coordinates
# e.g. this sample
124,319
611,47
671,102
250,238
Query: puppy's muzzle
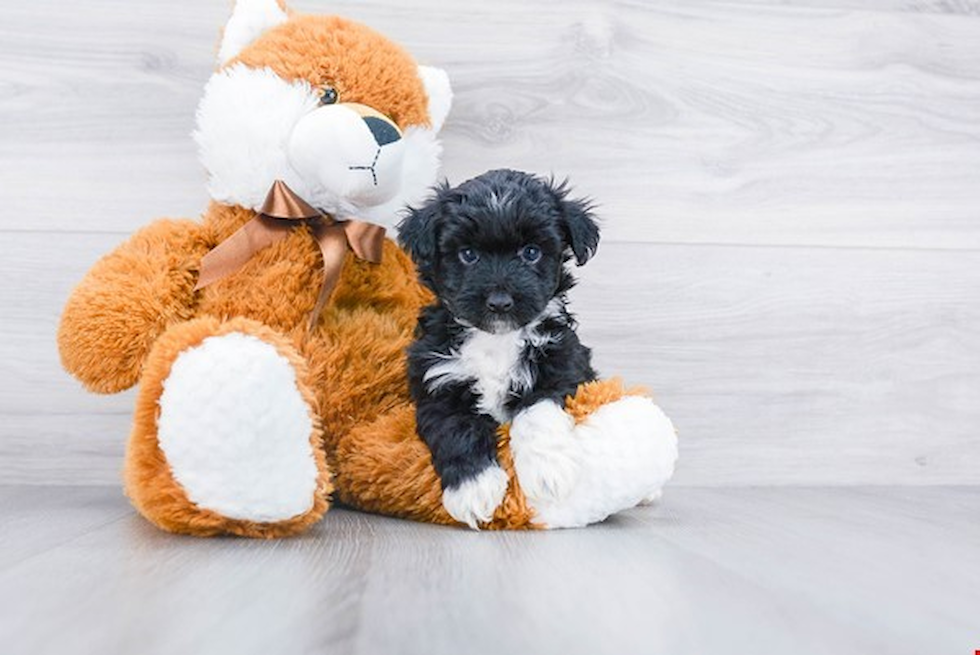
500,302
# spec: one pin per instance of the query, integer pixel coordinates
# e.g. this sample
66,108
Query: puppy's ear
578,222
418,234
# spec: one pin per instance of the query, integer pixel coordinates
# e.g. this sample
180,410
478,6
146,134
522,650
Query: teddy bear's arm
125,302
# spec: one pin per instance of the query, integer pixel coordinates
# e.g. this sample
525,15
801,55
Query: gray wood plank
842,571
66,448
778,365
36,520
955,7
691,122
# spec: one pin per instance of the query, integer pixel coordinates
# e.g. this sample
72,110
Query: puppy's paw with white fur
475,499
542,441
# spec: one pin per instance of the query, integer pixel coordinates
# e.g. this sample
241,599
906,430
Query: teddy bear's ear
249,19
440,94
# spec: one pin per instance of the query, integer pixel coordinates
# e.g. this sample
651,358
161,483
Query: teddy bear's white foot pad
624,453
236,430
544,448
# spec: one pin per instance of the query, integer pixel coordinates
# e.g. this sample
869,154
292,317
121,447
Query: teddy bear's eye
468,256
328,95
531,254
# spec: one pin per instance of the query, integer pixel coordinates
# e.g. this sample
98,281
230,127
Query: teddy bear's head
341,114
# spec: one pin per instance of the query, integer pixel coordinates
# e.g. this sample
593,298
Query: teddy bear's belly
279,287
356,352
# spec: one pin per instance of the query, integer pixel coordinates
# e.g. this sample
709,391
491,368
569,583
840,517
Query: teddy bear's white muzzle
349,152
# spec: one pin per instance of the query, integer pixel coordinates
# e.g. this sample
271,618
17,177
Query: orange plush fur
361,64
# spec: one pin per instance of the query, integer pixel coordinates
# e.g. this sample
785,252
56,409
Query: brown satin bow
282,212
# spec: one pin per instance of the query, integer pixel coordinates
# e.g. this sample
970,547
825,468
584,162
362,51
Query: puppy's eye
468,256
531,254
329,95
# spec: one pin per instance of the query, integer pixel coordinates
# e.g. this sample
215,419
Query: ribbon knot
282,212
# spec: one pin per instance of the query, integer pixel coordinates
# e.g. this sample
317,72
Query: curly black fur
494,218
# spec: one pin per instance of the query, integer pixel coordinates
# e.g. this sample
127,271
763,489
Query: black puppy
498,344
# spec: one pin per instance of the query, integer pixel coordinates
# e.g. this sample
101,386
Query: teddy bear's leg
619,451
382,466
614,449
225,438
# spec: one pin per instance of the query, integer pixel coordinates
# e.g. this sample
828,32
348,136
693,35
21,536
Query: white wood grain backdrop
791,196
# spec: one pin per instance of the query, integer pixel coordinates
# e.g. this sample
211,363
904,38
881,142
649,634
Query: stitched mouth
374,162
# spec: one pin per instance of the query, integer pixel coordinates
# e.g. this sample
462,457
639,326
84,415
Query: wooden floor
753,570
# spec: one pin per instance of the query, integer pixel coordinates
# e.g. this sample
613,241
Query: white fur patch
244,122
249,19
236,431
544,450
253,128
624,452
476,499
494,363
420,166
333,147
440,94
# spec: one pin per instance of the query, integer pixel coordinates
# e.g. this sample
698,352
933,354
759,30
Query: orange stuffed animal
268,339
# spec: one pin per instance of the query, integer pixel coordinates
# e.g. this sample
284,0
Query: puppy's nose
382,131
499,302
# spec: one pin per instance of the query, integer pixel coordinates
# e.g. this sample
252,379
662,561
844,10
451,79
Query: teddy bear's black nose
383,131
500,302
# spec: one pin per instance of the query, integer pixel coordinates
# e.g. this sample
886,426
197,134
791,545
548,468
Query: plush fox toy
268,339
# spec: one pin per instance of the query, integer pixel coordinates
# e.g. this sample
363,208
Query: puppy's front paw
475,499
541,438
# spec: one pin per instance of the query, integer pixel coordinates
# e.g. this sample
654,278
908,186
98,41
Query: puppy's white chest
494,364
